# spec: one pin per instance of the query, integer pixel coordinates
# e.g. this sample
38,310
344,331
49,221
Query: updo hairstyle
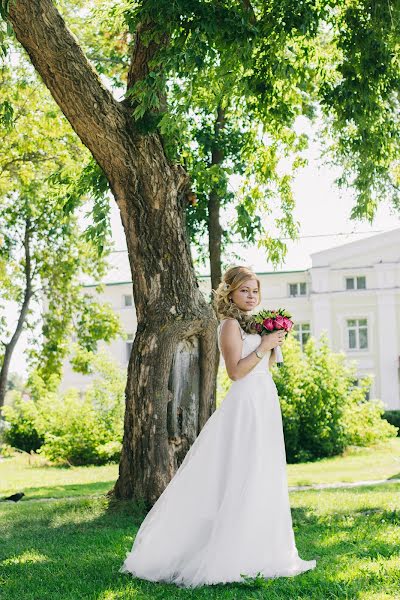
225,308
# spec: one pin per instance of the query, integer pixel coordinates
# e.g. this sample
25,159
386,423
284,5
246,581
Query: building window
357,334
302,332
356,283
127,300
128,346
298,289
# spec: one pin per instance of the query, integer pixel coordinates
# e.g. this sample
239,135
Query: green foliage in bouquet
266,313
323,411
66,428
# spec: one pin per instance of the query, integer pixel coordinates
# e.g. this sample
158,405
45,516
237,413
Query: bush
323,412
7,451
20,429
393,417
68,428
364,423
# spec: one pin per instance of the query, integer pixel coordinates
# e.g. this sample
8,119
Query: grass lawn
71,549
357,464
16,474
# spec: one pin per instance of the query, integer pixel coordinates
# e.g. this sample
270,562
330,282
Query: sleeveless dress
226,511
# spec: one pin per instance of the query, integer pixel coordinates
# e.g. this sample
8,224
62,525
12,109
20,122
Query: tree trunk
170,387
28,293
9,349
214,205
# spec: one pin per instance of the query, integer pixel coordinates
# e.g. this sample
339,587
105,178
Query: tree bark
28,293
170,389
214,206
169,392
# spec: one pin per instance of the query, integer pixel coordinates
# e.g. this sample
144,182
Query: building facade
352,292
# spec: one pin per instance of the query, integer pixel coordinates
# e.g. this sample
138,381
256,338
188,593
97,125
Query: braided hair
225,308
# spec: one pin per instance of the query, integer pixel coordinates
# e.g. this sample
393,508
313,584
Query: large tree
169,393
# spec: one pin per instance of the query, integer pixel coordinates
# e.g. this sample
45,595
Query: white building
350,291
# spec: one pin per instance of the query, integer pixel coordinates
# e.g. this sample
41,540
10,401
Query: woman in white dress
226,511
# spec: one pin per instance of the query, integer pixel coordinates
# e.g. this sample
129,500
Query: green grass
357,464
16,474
72,550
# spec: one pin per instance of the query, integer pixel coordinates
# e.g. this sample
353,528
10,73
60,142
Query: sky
322,209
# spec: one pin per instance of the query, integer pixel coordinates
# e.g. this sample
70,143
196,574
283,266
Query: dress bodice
251,341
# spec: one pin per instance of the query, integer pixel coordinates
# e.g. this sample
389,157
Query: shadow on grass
73,550
72,489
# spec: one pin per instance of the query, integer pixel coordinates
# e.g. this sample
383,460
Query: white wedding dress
226,511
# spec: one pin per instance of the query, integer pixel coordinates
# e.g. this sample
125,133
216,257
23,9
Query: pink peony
287,323
259,327
268,324
279,322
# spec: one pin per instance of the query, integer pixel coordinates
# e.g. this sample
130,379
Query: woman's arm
272,360
231,347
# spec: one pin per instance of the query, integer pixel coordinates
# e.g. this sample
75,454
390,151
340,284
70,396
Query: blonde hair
225,308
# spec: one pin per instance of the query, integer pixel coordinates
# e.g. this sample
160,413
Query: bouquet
268,321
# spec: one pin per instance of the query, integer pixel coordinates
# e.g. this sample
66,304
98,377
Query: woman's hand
271,340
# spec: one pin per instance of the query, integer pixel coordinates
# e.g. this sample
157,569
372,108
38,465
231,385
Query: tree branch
141,56
249,9
22,317
74,84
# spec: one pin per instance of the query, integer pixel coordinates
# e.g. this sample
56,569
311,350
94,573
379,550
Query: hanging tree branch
71,79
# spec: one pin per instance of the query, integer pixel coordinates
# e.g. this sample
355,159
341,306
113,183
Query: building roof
119,272
357,247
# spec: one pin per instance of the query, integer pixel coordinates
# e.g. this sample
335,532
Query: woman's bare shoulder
228,319
229,324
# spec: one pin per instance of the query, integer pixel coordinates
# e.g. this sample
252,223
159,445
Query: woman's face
247,296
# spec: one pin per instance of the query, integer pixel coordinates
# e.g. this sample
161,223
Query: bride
226,511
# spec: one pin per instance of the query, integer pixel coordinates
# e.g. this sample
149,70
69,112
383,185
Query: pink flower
279,322
287,324
259,327
268,324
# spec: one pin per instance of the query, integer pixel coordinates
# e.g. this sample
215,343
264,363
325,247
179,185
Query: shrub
109,452
322,410
393,417
7,451
21,425
364,423
69,428
72,429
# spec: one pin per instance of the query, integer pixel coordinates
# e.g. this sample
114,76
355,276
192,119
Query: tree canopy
225,83
44,250
261,65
